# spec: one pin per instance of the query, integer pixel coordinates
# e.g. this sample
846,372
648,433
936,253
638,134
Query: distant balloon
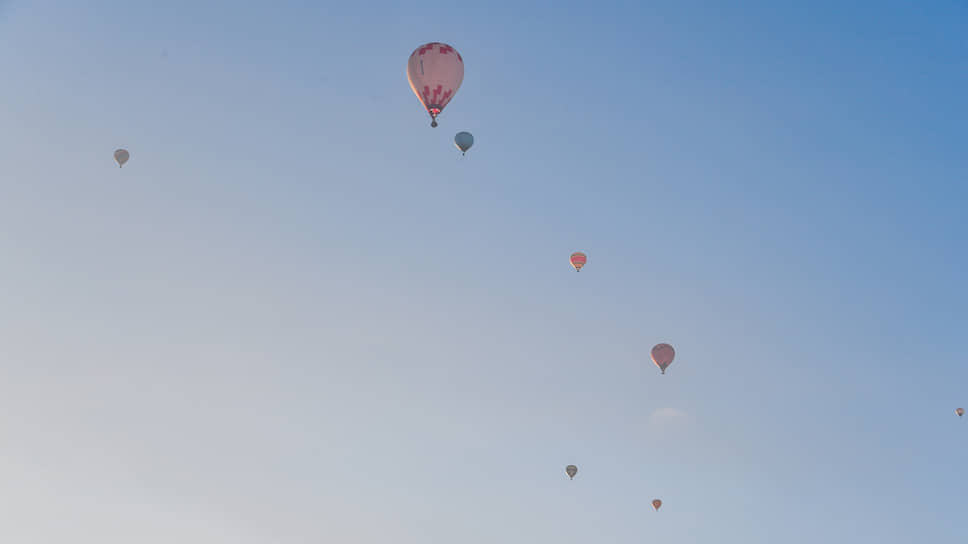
435,71
657,504
662,356
578,260
121,156
571,470
960,412
464,141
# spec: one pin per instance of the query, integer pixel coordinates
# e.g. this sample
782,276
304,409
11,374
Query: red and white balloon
435,71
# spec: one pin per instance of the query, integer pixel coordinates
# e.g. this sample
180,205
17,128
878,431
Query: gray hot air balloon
463,141
121,156
571,470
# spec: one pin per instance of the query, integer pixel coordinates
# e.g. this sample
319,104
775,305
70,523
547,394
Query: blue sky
299,315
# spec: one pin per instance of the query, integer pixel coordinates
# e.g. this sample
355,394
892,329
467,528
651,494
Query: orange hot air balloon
960,412
435,71
662,356
657,504
578,260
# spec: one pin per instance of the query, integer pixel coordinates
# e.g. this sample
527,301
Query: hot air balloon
578,260
435,71
662,356
656,504
463,141
571,470
121,156
960,412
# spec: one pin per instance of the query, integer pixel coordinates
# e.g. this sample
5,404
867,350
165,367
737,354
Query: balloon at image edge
656,504
662,356
571,470
960,412
435,72
121,156
464,141
578,260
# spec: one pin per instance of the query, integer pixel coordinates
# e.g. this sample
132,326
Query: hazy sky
298,315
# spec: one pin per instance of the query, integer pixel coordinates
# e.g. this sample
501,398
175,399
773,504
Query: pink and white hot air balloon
435,72
662,356
578,260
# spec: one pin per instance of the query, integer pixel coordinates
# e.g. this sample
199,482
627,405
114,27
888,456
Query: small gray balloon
464,141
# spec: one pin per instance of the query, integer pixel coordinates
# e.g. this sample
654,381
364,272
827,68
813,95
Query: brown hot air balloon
121,156
571,470
662,356
656,504
960,412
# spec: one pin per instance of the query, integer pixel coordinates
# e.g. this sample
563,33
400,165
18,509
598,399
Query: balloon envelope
435,71
571,470
578,260
464,141
121,156
662,356
960,412
656,504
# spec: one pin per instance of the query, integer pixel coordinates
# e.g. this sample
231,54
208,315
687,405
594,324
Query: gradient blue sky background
297,315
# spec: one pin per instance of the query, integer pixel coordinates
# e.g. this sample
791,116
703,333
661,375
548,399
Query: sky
298,315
